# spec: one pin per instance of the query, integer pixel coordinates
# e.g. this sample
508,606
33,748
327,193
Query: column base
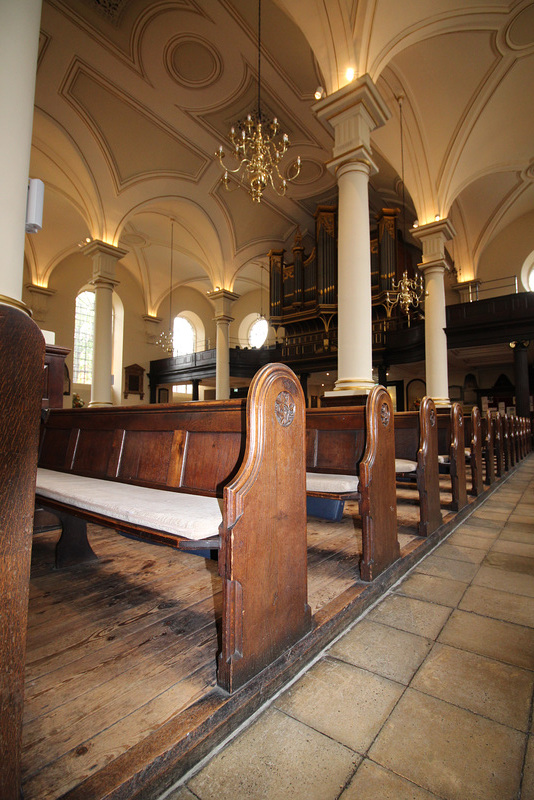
350,386
442,402
98,403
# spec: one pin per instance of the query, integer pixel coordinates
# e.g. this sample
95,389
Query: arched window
527,272
183,337
257,333
84,322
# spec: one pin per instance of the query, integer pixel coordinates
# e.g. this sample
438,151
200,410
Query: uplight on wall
349,75
34,206
319,93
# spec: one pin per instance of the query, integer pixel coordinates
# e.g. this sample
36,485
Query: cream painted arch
58,160
197,255
326,24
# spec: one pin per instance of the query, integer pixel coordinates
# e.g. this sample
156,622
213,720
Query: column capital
223,318
104,282
433,237
39,295
222,300
354,111
437,265
105,257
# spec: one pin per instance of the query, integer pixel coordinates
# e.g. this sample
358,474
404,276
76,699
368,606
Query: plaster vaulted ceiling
133,98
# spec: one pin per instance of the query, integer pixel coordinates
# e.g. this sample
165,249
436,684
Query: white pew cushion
444,460
405,465
189,515
325,482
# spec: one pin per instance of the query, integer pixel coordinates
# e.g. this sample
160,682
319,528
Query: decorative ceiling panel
137,145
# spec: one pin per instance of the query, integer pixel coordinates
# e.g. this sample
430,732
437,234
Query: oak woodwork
250,453
359,440
22,350
451,442
473,440
416,439
488,450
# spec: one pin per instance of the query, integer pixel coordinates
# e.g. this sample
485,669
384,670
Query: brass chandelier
407,293
166,338
258,148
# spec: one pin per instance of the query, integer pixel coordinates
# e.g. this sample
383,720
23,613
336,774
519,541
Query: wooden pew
354,446
498,440
517,437
509,453
416,452
473,441
22,350
202,474
451,444
488,450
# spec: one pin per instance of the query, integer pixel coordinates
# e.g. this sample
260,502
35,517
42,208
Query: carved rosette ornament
385,414
284,409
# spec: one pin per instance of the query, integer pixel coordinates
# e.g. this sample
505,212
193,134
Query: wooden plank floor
120,648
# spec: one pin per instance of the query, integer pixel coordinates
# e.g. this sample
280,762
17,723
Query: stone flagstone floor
429,695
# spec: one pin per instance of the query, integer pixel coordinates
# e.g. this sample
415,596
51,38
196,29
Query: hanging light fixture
408,292
258,149
166,338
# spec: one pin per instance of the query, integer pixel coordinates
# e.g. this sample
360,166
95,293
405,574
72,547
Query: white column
354,112
223,300
19,40
105,257
434,265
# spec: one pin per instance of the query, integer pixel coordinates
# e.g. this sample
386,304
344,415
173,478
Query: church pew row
416,453
216,475
451,448
473,450
350,455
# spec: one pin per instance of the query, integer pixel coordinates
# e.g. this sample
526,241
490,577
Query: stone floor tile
493,577
523,549
412,615
510,562
524,518
373,782
276,758
517,533
492,514
477,528
479,541
450,751
472,555
447,568
346,703
499,605
386,651
504,641
483,685
444,591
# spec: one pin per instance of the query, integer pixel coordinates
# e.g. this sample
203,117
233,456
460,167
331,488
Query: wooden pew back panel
407,435
360,440
173,447
335,442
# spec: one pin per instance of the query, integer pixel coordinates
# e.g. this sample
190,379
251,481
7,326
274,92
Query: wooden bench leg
73,546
